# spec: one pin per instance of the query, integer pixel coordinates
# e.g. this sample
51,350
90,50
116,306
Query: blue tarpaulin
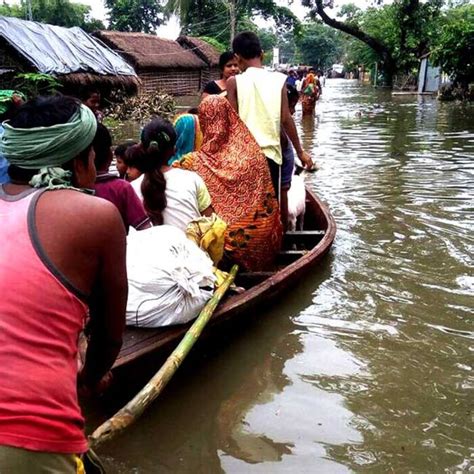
57,50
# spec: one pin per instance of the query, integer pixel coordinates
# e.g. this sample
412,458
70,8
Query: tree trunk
387,60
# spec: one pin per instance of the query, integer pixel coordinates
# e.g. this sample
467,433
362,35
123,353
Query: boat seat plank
306,238
289,256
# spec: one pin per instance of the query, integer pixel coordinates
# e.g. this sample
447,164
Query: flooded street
368,366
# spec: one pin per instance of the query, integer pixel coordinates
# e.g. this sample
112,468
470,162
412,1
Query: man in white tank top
260,98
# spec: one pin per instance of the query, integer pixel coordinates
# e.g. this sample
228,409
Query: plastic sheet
57,50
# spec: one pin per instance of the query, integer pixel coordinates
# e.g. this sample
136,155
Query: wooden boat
312,244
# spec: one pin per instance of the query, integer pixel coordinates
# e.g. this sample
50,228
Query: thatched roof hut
160,63
204,51
69,54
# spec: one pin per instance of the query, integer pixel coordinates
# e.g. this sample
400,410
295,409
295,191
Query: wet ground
368,365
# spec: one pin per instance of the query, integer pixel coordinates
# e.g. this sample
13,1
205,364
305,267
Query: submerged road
368,365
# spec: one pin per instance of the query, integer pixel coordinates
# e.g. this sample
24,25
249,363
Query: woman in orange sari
238,179
309,94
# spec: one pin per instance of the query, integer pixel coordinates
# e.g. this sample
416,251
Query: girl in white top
170,195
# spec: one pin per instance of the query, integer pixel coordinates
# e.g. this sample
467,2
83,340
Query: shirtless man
62,255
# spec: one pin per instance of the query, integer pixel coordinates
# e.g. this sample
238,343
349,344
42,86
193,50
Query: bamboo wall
210,74
174,82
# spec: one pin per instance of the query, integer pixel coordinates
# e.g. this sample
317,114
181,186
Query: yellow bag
208,233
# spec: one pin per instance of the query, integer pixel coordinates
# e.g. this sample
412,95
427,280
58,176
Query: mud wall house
161,64
207,53
74,58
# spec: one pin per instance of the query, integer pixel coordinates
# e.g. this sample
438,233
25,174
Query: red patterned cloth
238,179
310,94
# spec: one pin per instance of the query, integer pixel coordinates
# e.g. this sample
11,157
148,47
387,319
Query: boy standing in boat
260,98
62,257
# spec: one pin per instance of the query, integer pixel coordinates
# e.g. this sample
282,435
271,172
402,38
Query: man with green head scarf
62,260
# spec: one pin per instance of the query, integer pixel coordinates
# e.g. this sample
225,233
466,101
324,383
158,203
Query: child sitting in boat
120,164
170,195
110,187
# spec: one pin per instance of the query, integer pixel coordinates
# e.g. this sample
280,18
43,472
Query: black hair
102,143
292,93
122,148
193,111
88,92
225,58
44,112
247,45
158,140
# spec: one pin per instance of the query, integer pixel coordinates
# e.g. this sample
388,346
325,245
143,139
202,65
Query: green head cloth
49,147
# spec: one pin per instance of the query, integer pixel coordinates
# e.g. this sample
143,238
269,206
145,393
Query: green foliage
33,84
453,45
213,42
404,27
211,18
319,45
135,15
207,18
269,40
55,12
11,10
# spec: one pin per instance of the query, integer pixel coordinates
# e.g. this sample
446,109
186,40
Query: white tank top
259,100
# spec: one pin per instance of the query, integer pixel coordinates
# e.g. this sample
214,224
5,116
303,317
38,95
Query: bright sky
171,29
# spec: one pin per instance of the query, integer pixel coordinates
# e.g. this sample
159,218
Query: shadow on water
367,364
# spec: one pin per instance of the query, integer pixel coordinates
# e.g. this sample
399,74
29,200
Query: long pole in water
135,407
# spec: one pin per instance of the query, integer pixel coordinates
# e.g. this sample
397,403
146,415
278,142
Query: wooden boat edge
252,297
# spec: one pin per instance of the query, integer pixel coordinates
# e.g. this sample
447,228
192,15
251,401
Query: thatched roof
67,53
149,51
202,49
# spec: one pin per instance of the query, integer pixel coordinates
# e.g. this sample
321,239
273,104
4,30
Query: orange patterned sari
238,179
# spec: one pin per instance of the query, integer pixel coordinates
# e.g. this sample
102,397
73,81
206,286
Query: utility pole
233,19
29,10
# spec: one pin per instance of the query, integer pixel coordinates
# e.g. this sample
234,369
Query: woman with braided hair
170,195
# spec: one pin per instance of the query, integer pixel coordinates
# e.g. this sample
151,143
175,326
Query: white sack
166,274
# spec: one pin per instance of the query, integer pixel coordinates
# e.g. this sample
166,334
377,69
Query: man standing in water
62,256
260,98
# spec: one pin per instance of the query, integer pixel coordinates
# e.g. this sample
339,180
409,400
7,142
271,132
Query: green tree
135,15
220,19
55,12
398,33
453,46
319,46
288,49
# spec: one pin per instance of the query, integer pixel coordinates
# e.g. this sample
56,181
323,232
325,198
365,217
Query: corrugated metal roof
57,50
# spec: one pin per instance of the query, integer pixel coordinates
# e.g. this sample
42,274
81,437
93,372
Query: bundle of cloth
170,278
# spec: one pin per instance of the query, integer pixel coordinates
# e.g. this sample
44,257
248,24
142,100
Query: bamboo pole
135,407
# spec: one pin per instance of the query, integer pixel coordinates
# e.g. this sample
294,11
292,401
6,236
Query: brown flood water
368,365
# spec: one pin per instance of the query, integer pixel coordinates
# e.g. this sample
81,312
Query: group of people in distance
309,86
62,258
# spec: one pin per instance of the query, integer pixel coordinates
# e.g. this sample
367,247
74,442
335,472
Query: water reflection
367,365
403,214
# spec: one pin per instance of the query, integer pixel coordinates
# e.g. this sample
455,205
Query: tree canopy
220,19
135,15
453,45
56,12
319,46
398,33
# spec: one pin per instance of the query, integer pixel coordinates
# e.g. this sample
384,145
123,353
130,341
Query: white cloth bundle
167,274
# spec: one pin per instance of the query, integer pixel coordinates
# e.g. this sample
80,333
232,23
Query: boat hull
139,343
